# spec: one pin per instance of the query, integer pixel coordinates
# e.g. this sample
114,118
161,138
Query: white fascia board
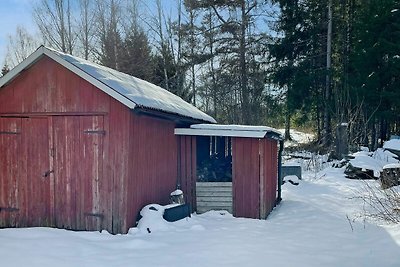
229,133
22,66
127,102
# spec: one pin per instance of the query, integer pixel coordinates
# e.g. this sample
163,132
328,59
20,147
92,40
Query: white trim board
229,133
227,130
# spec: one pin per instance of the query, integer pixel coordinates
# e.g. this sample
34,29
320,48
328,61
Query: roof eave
177,118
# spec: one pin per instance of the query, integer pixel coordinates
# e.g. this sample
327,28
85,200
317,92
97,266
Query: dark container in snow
177,213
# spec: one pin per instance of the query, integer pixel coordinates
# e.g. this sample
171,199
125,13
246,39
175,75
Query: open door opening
214,173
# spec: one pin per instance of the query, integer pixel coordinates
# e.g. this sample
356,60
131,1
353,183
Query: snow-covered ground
298,137
318,223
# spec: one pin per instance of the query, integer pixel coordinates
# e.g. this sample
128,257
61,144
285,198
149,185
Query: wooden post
342,144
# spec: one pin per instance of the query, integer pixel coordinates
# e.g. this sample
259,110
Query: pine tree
375,66
136,58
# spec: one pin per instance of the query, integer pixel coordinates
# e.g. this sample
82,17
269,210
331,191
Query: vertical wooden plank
52,168
108,183
10,144
118,164
254,182
246,175
133,196
183,163
237,179
274,172
267,175
194,174
189,173
92,184
67,176
37,156
271,163
262,189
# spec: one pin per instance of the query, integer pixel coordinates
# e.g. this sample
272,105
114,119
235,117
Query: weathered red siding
245,178
152,166
48,87
269,175
103,161
10,147
187,168
254,176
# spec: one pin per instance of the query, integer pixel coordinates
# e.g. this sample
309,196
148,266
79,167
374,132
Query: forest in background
312,64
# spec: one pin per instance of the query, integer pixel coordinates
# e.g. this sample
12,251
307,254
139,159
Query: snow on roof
365,162
393,144
228,130
130,91
392,166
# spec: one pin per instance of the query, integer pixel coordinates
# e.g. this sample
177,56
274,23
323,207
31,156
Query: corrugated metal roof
130,91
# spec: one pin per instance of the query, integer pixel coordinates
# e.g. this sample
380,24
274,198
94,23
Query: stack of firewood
390,176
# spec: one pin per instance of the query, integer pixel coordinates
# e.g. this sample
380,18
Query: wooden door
37,200
10,145
78,164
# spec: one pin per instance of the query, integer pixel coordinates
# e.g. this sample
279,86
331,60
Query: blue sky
19,12
13,13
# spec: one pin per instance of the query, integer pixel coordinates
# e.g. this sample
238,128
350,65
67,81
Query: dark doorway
214,159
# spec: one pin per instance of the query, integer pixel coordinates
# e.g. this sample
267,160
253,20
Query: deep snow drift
318,223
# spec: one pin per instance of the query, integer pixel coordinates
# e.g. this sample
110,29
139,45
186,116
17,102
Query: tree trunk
327,138
246,116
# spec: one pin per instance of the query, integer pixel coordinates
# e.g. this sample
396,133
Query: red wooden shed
85,147
230,167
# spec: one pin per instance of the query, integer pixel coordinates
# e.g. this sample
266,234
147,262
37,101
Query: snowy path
309,228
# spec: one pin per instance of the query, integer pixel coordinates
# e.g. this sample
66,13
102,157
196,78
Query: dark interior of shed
214,159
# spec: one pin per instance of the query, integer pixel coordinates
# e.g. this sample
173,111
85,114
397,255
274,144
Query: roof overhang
230,131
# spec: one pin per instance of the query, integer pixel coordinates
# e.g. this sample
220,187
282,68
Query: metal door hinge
98,215
102,132
5,132
9,209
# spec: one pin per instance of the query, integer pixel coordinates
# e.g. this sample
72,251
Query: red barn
85,147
